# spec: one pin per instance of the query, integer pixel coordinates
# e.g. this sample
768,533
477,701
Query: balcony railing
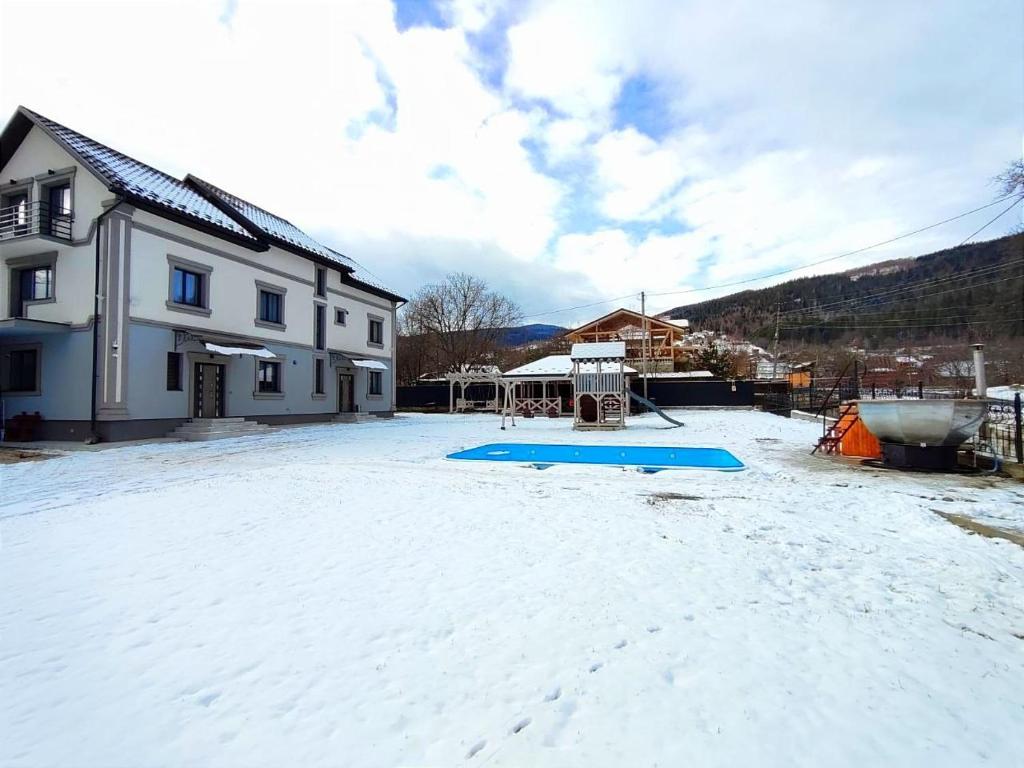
35,219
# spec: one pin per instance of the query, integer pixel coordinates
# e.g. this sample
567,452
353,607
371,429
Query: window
57,221
321,282
36,283
22,370
374,383
174,371
340,316
376,332
270,307
318,376
268,376
14,213
319,326
187,288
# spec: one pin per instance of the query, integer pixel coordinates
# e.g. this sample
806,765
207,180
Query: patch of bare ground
973,526
16,455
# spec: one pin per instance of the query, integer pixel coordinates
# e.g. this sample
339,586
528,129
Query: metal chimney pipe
979,370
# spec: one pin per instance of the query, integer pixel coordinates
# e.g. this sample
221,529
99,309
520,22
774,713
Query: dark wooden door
209,391
346,393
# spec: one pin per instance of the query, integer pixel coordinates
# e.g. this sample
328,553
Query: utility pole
775,342
643,338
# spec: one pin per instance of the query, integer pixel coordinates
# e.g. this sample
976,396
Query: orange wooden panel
860,442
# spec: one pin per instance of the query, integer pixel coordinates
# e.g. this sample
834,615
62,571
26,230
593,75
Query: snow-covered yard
342,595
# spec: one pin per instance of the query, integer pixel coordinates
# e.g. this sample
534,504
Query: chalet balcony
34,219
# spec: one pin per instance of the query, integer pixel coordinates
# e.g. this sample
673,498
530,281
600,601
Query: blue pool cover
619,455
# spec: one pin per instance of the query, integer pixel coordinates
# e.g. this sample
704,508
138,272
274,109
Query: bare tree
461,321
1011,182
1012,179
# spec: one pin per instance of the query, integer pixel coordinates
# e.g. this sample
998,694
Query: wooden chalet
666,350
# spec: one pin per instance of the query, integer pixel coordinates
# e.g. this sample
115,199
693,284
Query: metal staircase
830,441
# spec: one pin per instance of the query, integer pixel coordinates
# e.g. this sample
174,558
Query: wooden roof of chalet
621,318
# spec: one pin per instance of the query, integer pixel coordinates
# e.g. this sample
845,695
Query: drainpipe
93,435
979,371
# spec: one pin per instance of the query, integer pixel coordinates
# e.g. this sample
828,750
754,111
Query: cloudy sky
568,152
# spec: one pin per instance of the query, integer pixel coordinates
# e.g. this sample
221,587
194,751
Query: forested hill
973,291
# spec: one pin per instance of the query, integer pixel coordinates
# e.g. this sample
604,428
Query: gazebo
491,376
599,381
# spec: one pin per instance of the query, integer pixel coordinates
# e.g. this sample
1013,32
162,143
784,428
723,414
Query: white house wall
75,262
138,328
233,290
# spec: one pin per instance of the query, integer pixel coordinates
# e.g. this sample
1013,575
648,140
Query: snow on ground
342,595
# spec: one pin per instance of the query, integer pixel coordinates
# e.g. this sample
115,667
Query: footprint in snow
652,630
476,748
621,644
518,727
554,695
596,666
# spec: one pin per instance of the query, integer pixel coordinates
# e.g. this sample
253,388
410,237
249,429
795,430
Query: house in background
133,301
666,348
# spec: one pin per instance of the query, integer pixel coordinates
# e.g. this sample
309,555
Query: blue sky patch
418,13
642,104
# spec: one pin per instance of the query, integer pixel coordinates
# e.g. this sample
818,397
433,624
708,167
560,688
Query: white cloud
635,174
793,131
617,265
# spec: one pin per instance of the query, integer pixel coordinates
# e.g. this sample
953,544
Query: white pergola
465,379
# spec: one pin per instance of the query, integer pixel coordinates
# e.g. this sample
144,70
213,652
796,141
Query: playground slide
652,407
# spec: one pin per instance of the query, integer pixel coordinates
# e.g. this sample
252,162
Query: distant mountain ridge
525,334
971,291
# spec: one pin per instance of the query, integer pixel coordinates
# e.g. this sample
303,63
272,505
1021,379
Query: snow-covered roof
555,366
599,350
1004,393
680,322
766,369
268,224
552,365
361,278
198,201
681,375
141,180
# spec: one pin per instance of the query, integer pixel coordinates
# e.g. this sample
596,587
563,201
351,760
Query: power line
841,255
889,327
991,221
938,293
893,293
582,306
784,271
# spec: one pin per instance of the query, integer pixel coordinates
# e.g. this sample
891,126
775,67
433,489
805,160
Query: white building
208,306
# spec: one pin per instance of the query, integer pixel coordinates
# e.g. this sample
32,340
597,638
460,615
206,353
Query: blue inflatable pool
643,456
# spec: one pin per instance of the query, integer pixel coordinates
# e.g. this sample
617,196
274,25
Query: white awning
224,350
377,364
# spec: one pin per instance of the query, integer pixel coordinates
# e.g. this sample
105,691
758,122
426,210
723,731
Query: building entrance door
346,393
208,402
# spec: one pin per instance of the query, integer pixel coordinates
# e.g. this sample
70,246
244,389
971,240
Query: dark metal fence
1001,435
36,218
695,394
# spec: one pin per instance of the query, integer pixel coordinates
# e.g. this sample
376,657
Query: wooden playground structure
599,381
